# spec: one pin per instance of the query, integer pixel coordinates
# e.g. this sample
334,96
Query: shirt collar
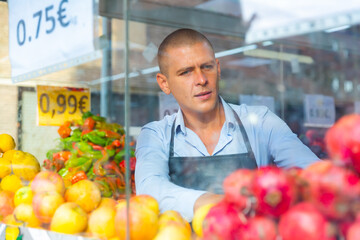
230,120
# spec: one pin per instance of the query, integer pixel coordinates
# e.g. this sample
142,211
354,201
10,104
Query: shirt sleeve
152,175
284,147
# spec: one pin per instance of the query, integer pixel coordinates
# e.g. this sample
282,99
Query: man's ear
163,83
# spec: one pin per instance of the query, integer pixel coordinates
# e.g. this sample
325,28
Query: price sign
257,100
167,105
319,110
44,33
59,104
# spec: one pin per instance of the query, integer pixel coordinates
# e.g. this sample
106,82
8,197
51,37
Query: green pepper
95,138
98,118
75,162
62,172
86,115
119,156
86,166
104,188
111,152
90,174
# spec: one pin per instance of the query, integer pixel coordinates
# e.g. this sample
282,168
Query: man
183,159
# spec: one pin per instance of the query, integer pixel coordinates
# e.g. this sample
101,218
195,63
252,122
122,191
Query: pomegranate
353,232
304,221
222,222
343,141
258,228
333,190
237,187
274,191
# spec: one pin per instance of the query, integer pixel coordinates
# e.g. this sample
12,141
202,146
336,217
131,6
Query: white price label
357,107
167,105
257,100
44,33
319,110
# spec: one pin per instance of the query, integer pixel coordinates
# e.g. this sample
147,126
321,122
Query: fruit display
81,211
92,149
320,202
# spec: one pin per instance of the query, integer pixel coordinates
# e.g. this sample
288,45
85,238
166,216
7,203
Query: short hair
180,37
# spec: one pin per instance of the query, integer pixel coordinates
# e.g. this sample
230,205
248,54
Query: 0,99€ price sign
56,105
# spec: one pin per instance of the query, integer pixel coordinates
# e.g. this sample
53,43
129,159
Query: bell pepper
65,130
132,164
80,175
89,124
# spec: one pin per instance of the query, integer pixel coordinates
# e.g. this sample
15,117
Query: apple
45,205
69,218
107,202
85,193
23,195
174,231
46,181
143,221
6,203
173,216
199,216
101,222
25,213
148,201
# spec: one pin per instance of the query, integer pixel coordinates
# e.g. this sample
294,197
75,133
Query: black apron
208,172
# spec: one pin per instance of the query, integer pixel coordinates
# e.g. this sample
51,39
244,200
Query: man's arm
152,175
283,145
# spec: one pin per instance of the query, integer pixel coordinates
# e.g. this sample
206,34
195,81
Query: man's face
192,76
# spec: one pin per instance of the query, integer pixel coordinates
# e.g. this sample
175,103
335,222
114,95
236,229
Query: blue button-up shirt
270,138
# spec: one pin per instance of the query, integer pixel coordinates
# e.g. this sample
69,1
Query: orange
7,142
11,183
5,167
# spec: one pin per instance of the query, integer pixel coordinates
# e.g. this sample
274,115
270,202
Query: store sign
55,105
46,36
257,100
167,105
282,18
319,110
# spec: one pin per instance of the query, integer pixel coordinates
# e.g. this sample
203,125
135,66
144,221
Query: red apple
45,205
6,203
47,181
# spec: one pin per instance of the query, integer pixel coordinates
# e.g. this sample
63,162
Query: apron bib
207,173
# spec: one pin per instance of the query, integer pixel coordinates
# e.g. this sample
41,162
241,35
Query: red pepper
96,147
89,124
80,175
132,164
110,134
62,155
65,130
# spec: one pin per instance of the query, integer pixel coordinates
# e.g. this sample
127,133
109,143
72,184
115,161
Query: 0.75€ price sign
56,105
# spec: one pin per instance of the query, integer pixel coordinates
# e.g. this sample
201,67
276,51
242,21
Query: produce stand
91,108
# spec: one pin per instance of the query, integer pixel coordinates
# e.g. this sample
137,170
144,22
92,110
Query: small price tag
319,110
258,100
167,105
59,104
